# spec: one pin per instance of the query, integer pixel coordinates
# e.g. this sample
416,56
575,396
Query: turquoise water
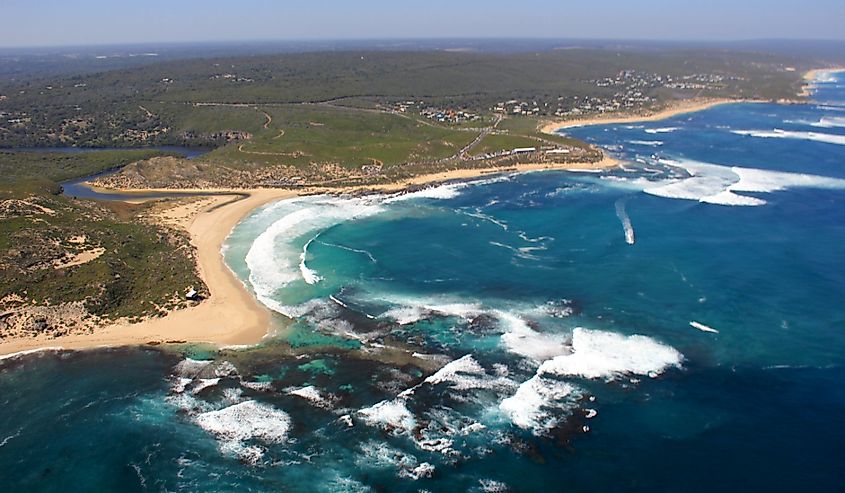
675,325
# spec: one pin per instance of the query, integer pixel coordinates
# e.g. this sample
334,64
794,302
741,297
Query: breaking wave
608,355
270,256
664,130
650,143
717,184
790,134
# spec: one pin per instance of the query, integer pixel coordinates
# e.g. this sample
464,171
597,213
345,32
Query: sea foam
791,134
392,415
244,421
538,402
607,355
441,192
664,130
717,184
519,338
270,257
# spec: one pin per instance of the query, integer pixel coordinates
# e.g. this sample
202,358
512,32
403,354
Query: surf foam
269,258
664,130
248,420
607,355
791,134
717,184
521,339
536,404
392,415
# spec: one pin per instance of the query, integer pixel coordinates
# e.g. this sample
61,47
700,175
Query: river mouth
78,188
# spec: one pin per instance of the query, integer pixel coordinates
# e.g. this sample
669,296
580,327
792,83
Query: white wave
664,130
705,180
650,143
826,76
309,275
311,394
392,415
381,455
521,339
830,107
408,310
269,258
498,178
461,374
830,122
583,170
703,328
537,403
10,437
790,134
599,354
729,198
626,221
248,420
824,122
424,470
340,303
717,184
190,367
31,351
441,192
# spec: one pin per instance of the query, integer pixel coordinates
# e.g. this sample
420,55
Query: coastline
812,75
679,108
232,315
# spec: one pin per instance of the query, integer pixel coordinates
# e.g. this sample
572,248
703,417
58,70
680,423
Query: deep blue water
675,325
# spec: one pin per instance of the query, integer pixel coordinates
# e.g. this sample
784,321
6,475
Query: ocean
676,324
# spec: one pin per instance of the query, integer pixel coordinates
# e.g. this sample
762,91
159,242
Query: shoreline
232,316
676,109
811,76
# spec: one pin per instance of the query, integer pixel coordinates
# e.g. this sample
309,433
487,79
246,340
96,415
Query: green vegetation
496,142
20,170
302,135
64,263
163,103
280,120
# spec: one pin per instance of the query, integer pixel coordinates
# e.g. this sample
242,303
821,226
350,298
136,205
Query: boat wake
622,214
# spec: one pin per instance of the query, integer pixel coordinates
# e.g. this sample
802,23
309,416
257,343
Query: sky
94,22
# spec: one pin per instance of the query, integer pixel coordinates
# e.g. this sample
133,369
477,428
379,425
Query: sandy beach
231,315
810,77
679,108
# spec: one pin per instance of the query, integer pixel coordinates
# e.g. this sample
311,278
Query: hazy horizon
50,23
